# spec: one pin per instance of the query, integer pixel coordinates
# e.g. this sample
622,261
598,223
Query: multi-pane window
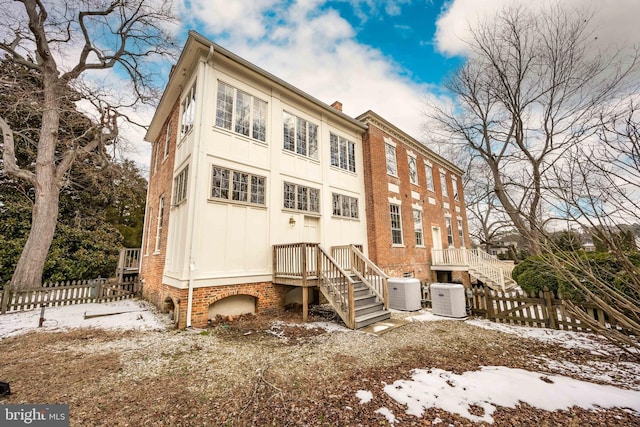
461,233
300,136
443,184
156,148
428,169
237,186
413,170
392,166
343,153
454,183
345,206
417,227
257,190
301,198
159,224
180,186
167,138
447,221
149,229
396,224
240,112
188,107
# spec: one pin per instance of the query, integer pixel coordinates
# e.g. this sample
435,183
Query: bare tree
528,93
70,45
598,190
487,221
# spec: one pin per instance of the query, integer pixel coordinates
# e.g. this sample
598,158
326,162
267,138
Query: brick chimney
337,105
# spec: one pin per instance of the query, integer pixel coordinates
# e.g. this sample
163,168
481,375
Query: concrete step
367,319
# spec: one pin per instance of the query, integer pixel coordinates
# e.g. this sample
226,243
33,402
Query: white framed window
396,224
454,184
149,217
343,153
159,224
188,108
180,186
155,155
447,221
301,198
413,170
167,138
237,186
241,112
345,206
390,153
461,233
443,184
428,172
300,136
417,227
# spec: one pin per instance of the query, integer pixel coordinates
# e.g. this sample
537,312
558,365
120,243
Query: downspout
196,161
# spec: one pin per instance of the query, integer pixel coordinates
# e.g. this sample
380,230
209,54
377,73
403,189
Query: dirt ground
270,371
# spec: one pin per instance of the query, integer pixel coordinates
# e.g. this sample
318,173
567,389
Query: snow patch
387,414
494,386
365,396
129,315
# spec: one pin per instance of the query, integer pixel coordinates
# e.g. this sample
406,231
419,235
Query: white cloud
241,17
615,21
312,47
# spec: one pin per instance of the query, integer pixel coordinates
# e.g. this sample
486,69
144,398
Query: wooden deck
336,275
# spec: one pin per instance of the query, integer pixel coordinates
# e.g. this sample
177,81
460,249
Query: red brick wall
160,182
269,297
410,258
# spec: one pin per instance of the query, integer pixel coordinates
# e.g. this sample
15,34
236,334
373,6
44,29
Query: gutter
196,160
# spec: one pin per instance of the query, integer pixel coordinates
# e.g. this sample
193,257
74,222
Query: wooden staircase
488,269
367,306
354,286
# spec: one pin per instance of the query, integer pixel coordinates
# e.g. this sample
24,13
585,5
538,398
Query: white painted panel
393,188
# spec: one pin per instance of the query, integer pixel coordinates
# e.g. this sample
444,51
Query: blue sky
389,56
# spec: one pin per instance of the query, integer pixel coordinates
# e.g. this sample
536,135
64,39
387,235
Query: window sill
345,217
339,169
396,245
238,135
300,156
235,202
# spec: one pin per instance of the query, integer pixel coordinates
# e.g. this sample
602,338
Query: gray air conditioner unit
404,293
448,299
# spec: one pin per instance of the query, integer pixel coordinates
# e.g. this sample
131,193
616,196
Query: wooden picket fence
542,310
54,294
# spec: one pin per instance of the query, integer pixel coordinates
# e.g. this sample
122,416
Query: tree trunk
28,272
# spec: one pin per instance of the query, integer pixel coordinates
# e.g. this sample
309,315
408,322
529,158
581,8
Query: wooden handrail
371,275
334,281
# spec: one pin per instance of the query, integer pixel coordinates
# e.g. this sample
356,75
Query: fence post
488,300
551,311
6,296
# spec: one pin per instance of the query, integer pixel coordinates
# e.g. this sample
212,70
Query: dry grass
258,371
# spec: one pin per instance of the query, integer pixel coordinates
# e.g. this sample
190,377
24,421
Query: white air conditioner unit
448,299
404,293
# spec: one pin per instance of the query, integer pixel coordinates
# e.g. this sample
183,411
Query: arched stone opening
233,305
172,308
